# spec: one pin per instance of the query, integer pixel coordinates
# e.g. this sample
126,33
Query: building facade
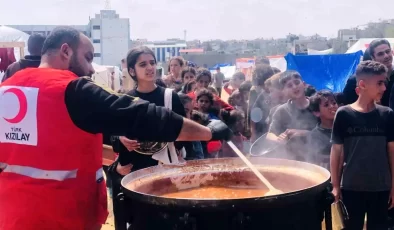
109,34
164,50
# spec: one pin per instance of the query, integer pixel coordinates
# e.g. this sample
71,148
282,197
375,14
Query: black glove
219,130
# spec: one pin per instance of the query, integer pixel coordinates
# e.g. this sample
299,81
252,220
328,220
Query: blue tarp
329,71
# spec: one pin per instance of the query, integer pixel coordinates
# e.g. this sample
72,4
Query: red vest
50,170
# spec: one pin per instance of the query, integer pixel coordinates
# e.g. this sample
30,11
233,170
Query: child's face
245,95
236,82
275,94
188,109
373,86
236,98
239,126
328,107
294,88
203,104
189,76
203,82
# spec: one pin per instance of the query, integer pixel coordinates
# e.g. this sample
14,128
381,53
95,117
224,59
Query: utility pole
107,4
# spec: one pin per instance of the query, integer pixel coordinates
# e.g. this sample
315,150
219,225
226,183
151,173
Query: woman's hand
129,144
123,170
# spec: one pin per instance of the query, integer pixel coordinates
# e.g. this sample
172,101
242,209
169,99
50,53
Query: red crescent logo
22,105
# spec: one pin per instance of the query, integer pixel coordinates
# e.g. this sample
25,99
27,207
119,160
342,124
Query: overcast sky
206,19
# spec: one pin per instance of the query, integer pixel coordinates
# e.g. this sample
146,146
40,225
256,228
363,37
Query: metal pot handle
345,214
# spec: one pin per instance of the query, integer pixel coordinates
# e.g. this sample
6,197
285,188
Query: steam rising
256,114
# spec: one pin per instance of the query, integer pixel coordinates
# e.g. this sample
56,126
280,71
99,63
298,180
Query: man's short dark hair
310,90
375,43
35,44
370,68
59,36
316,99
367,55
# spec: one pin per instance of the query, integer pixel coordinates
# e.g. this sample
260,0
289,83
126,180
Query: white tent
320,52
8,34
228,71
363,43
102,76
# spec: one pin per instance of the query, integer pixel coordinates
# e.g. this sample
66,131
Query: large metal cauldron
302,206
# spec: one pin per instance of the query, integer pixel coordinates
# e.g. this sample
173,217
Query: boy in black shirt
293,120
362,154
324,107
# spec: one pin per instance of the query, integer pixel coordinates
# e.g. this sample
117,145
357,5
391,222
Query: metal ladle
272,190
268,147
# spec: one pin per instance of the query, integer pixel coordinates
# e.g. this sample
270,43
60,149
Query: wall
212,59
114,40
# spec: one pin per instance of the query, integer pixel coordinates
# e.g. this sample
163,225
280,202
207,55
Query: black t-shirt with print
364,137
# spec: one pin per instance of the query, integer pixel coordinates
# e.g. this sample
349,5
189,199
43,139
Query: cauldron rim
203,203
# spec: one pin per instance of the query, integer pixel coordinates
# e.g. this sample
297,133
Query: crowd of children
309,125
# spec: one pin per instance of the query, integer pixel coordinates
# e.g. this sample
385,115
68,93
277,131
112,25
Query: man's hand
219,130
290,133
336,191
391,199
129,144
124,170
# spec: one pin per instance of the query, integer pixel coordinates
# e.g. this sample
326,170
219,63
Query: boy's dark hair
203,72
316,99
262,61
245,86
199,117
218,68
35,44
231,117
287,75
205,92
59,36
184,98
276,70
239,75
186,70
367,55
375,43
261,73
310,90
370,68
340,98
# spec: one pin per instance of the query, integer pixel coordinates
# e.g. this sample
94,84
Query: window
96,40
96,27
96,55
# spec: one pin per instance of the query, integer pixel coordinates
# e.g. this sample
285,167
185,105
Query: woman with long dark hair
133,155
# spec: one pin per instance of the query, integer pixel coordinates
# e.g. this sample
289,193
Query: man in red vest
51,120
